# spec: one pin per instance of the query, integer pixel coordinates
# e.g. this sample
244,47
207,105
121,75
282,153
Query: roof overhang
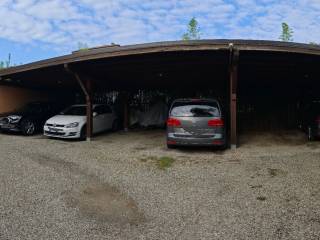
198,45
103,60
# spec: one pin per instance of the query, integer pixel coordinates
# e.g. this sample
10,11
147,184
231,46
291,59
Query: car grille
4,121
55,133
54,125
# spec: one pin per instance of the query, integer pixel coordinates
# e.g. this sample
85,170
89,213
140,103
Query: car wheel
83,133
115,126
310,134
28,127
170,146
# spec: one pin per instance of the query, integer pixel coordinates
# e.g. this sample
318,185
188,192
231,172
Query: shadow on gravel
197,149
97,200
105,204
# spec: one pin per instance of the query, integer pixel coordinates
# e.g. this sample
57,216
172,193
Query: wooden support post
87,90
234,62
89,109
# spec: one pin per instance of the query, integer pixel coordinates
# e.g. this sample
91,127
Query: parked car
71,123
310,119
30,118
196,122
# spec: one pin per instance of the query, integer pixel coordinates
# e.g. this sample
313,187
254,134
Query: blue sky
37,29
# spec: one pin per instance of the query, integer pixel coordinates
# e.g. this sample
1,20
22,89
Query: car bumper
10,127
218,140
69,133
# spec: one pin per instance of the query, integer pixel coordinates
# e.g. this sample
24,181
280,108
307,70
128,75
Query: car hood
66,119
8,114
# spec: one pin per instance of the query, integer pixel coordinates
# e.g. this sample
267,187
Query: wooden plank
234,62
89,109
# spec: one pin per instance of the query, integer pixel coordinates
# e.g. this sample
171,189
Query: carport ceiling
172,65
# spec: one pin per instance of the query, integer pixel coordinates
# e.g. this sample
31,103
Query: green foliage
5,64
193,32
287,33
314,43
2,65
82,46
165,162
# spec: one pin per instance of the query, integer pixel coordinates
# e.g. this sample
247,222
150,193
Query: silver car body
195,122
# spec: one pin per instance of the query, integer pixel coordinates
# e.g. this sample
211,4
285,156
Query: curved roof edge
113,51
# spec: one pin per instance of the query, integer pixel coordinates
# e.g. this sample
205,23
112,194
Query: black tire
115,126
169,146
83,133
28,127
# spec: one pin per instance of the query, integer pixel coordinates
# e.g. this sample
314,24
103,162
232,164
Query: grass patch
165,162
162,162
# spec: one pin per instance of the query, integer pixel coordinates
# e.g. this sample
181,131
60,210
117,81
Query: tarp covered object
156,116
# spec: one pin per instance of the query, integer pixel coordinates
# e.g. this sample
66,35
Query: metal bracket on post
87,90
233,67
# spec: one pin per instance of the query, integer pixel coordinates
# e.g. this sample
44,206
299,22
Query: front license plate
7,126
53,129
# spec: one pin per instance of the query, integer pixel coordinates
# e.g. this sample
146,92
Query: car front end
11,123
62,129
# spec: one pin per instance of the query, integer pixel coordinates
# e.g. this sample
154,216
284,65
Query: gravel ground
113,188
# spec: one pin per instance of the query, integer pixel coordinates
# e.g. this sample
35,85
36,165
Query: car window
104,109
191,109
75,111
107,109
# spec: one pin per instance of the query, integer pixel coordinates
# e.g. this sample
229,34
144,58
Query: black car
30,118
310,119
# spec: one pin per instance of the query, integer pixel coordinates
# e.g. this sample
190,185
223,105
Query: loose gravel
113,188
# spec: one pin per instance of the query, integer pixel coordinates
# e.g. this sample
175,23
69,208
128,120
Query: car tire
83,133
170,146
28,127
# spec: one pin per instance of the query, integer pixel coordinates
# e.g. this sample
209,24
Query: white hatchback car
71,123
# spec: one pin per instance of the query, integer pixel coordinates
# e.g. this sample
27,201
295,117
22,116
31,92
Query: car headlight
14,119
72,125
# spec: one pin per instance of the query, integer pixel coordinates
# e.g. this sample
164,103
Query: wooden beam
234,63
87,90
89,109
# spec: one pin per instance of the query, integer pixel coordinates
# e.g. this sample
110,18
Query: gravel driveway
113,188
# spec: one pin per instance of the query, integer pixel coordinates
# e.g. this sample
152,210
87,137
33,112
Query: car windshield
195,109
75,111
32,108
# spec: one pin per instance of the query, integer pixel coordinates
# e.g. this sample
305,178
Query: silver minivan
196,122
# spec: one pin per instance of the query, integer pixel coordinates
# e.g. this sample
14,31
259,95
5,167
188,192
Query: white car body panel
56,126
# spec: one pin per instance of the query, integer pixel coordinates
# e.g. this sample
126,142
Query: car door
109,117
98,119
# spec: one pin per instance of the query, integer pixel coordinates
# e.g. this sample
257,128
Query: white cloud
64,23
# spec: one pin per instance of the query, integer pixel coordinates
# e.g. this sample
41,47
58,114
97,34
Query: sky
32,30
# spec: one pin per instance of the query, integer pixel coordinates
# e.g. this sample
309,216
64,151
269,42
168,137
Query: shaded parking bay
113,188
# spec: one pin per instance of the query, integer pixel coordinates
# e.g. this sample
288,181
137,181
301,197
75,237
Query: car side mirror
95,114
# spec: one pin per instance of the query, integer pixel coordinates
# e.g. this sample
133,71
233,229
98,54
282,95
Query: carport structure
237,71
